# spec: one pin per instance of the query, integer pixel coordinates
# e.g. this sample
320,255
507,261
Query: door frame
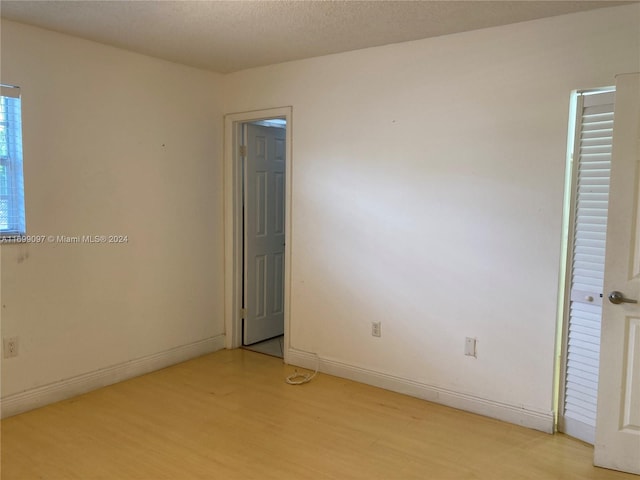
564,294
233,235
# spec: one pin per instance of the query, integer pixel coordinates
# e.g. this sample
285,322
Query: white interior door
264,233
592,160
617,443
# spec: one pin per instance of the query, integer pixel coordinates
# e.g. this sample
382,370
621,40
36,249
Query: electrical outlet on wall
10,347
376,329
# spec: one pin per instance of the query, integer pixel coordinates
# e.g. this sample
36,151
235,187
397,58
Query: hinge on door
243,311
243,150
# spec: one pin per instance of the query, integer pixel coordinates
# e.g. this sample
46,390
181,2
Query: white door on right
617,443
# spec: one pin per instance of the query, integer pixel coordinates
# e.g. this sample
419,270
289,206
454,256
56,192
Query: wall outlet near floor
10,347
470,347
376,329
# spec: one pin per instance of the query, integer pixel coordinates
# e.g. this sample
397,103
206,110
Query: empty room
320,239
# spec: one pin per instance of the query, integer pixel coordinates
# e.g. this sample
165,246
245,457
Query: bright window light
12,219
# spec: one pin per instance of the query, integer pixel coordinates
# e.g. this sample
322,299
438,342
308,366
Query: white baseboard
516,414
57,391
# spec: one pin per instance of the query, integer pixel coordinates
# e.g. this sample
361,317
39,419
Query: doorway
263,155
257,229
586,214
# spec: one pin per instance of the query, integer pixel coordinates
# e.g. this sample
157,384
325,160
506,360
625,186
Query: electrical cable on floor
300,378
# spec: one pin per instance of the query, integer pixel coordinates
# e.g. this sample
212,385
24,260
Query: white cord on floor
300,378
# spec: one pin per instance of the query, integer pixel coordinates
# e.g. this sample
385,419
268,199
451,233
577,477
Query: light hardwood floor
230,415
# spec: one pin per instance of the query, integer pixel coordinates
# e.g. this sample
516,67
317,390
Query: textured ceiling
226,36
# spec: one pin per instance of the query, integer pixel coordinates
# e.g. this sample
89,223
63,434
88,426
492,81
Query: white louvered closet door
592,164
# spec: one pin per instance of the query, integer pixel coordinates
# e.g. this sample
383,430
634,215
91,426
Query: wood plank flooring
230,415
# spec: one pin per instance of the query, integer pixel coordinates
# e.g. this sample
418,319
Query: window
12,221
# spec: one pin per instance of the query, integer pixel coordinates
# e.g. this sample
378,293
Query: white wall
114,143
427,195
